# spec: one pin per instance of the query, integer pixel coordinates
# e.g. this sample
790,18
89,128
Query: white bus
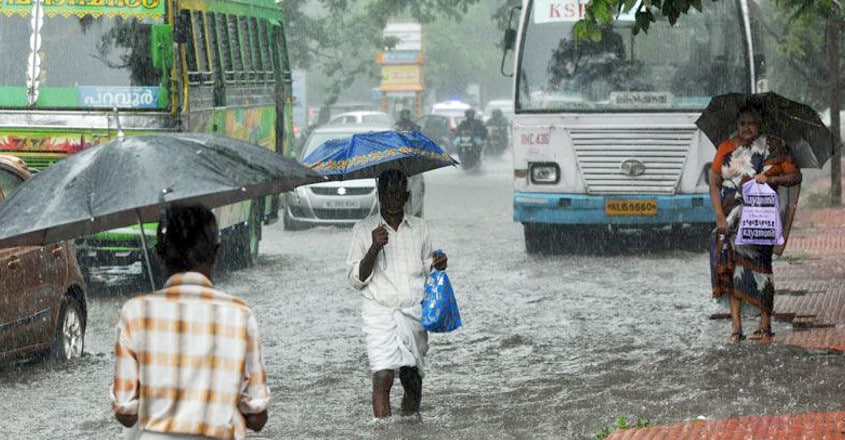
604,134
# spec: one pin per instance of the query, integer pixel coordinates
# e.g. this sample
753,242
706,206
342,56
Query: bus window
235,50
217,59
247,44
191,51
222,43
114,50
14,50
258,58
266,49
198,49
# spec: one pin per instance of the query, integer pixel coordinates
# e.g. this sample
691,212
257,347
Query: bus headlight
544,173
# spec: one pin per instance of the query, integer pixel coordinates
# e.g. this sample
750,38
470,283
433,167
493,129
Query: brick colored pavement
820,426
810,294
810,281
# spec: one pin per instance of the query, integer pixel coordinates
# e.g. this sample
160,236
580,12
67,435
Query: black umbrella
130,180
810,141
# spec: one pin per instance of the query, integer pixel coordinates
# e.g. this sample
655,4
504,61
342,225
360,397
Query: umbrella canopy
125,181
810,141
366,155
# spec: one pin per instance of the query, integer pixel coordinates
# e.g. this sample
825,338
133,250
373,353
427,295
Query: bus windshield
82,60
670,68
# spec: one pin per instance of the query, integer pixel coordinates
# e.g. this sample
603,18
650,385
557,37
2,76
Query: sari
742,271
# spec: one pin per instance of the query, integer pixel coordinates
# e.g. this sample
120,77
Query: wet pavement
554,346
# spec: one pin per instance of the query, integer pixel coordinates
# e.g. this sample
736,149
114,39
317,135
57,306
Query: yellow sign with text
401,77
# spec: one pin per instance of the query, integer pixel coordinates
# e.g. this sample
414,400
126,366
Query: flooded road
554,346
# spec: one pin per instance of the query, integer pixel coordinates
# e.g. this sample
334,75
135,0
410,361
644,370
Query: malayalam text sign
401,77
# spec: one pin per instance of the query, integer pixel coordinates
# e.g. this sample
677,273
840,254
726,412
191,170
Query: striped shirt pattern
188,360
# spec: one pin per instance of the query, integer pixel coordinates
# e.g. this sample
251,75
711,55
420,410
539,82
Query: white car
341,203
363,117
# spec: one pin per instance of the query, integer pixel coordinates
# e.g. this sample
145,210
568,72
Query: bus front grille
601,152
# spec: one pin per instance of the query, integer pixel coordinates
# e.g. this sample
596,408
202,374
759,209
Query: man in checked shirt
188,357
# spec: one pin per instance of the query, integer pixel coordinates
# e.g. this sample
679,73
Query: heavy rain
553,346
582,300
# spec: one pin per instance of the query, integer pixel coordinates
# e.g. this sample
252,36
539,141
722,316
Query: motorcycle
469,150
497,140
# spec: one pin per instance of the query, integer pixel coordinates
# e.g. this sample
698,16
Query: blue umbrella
366,155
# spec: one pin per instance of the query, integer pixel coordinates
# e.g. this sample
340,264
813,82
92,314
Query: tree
601,12
343,36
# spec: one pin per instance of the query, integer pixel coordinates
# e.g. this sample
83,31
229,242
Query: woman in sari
742,274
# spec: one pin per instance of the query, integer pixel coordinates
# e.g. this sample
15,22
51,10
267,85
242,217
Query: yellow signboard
401,77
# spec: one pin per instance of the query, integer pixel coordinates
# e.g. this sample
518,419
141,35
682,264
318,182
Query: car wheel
247,239
70,332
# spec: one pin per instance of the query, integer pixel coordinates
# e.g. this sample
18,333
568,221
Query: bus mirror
509,41
162,46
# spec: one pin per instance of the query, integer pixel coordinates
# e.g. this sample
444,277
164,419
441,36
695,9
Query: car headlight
544,173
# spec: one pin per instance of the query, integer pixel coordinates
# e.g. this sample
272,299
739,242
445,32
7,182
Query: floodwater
553,346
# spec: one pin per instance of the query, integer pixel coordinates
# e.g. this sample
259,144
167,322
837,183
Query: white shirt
401,267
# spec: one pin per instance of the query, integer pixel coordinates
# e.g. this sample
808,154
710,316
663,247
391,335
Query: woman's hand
722,225
761,178
440,260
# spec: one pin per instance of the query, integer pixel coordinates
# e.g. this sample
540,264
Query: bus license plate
630,207
342,204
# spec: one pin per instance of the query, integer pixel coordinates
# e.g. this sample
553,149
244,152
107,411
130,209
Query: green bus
76,73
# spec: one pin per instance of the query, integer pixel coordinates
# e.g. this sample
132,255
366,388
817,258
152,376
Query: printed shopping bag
759,222
439,309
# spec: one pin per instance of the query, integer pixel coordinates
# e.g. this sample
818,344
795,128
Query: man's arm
124,392
365,268
255,394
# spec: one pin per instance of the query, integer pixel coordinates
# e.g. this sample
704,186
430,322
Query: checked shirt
188,361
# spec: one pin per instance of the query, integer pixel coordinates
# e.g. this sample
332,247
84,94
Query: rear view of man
188,357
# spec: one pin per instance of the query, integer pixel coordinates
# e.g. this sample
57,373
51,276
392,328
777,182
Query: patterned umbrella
810,142
366,155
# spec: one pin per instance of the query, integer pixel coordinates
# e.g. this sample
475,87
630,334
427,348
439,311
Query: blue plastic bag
439,309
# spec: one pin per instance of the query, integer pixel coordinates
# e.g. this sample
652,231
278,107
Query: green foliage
604,11
621,423
462,51
343,37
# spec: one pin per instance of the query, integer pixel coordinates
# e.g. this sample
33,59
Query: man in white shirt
389,260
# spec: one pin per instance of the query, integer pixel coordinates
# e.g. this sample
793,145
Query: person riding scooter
470,141
473,126
498,130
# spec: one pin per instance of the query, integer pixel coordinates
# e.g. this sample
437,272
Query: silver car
341,203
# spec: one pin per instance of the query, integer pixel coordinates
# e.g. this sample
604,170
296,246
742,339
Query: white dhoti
395,338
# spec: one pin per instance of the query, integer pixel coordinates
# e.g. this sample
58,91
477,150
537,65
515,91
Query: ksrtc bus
604,133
